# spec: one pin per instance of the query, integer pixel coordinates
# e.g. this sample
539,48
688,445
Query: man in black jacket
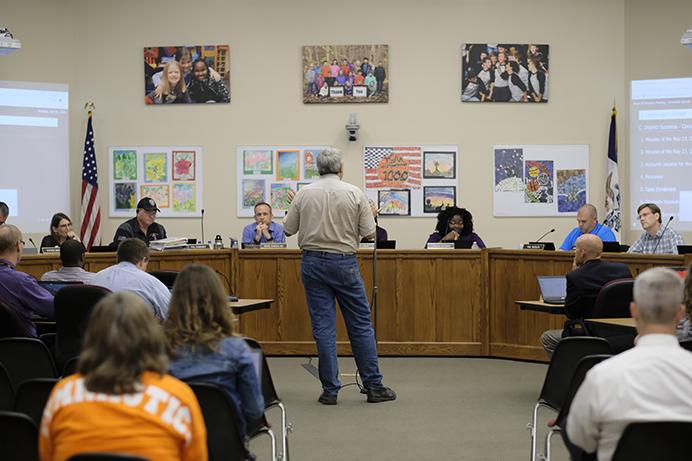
588,276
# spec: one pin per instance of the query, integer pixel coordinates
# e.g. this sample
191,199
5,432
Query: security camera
352,128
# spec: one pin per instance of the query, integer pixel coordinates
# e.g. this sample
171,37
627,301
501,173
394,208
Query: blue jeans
330,276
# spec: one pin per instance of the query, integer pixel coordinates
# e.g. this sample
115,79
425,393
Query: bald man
588,276
587,223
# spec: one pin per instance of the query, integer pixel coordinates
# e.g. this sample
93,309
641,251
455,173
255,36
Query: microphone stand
203,241
664,231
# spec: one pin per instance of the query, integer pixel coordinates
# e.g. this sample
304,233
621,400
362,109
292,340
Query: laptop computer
553,288
463,244
54,287
611,247
386,244
684,249
102,249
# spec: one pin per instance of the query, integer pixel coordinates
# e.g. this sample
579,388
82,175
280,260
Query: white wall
96,47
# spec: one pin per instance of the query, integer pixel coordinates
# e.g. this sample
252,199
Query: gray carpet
447,409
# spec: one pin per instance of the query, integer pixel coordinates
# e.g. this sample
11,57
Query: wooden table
539,305
624,323
243,306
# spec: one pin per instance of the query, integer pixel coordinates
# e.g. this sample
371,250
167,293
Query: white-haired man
647,383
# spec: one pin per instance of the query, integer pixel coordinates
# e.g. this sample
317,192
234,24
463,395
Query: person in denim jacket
202,345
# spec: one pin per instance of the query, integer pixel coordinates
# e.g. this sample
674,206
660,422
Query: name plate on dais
272,245
198,246
440,246
50,249
534,246
366,246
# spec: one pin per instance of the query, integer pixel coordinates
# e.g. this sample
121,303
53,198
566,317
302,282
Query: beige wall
96,47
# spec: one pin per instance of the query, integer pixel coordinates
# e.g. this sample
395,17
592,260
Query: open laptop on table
553,288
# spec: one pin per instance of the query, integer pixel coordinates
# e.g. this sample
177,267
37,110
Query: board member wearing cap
141,226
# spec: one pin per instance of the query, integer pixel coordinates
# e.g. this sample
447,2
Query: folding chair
18,437
10,324
666,440
26,358
6,390
31,398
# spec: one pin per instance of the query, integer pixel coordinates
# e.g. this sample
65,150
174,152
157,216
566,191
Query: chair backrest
70,367
31,397
583,367
10,324
166,277
613,300
26,358
563,364
18,437
73,306
667,440
6,390
105,457
224,439
268,389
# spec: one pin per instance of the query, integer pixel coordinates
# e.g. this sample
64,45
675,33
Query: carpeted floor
447,409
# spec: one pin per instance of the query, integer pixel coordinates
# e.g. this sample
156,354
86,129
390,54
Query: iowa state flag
612,200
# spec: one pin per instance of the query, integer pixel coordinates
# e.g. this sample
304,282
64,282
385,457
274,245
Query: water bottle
218,242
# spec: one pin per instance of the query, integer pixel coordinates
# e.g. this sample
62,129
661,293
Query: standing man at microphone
655,238
330,217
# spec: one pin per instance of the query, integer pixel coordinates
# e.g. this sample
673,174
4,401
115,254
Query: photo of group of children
345,73
504,72
187,74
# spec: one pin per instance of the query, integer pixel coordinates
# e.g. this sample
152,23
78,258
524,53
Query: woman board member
202,344
60,230
172,89
207,86
121,400
455,224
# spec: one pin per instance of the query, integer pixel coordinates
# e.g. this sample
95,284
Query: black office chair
70,367
272,400
105,457
224,439
613,300
654,441
10,324
31,397
558,426
563,364
26,358
73,306
6,390
18,437
168,278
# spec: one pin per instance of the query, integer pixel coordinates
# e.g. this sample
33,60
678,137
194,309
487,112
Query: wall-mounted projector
686,39
8,43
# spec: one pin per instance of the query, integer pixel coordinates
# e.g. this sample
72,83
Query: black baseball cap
147,204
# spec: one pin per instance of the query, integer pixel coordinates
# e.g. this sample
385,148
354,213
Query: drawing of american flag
375,158
90,228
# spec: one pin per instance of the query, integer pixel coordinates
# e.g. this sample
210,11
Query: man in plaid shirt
654,239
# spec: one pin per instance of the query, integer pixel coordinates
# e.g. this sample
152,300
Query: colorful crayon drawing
437,198
287,165
155,167
392,167
279,196
184,197
300,185
538,177
159,192
508,170
257,162
184,167
571,190
125,195
439,165
253,192
394,202
124,165
310,164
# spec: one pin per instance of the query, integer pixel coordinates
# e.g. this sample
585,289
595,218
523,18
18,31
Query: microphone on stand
203,241
659,239
542,236
32,242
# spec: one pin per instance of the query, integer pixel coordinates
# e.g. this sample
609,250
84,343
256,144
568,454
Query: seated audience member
654,239
202,344
685,325
4,212
60,231
72,270
130,275
142,226
263,230
646,383
587,223
455,224
121,400
588,276
19,290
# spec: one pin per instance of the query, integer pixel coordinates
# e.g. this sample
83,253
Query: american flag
90,232
392,167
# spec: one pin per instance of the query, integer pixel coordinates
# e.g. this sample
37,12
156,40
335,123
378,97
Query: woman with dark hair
60,230
455,224
204,87
202,345
121,400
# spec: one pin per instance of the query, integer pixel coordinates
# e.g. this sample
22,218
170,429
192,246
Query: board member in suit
330,216
587,223
142,226
656,238
587,278
264,229
60,231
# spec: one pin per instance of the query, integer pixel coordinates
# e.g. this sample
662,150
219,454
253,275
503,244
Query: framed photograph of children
438,198
439,165
187,74
504,72
394,202
345,74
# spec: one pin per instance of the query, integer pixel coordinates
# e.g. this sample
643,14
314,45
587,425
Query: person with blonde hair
121,400
172,89
202,342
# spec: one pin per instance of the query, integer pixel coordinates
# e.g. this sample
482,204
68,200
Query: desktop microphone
664,231
541,237
203,241
32,242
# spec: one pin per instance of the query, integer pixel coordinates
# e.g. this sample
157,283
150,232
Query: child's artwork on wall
394,202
